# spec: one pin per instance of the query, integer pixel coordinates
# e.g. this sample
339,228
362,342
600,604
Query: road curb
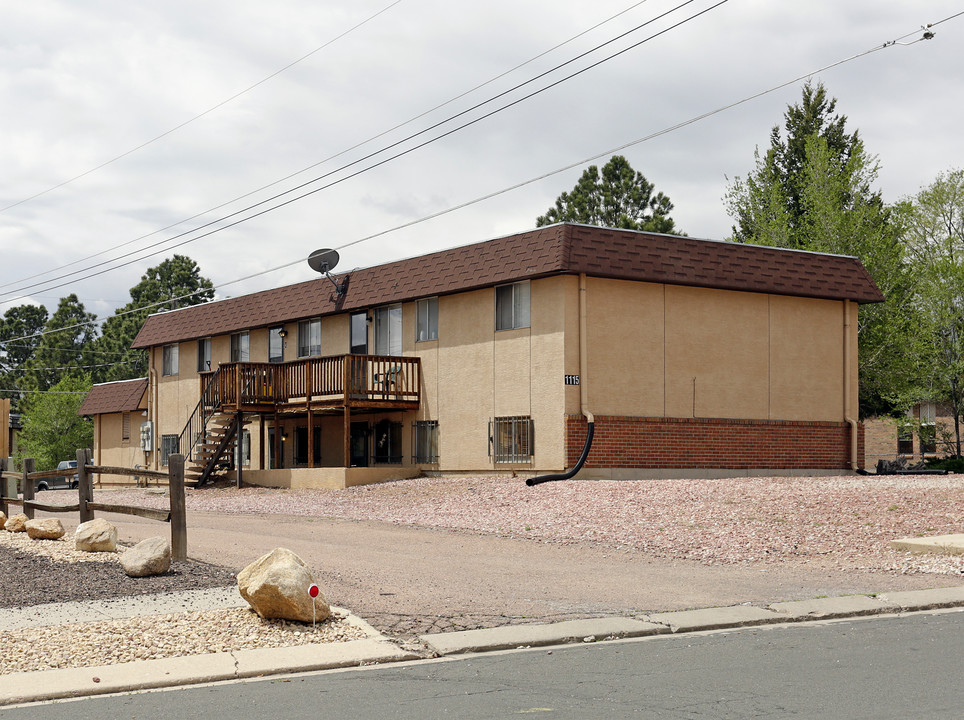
686,621
17,688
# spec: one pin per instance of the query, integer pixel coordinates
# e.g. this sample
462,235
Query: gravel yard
42,571
847,521
844,524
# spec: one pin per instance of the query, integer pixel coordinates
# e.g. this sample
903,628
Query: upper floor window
309,338
426,319
512,306
276,344
240,347
388,330
204,355
169,364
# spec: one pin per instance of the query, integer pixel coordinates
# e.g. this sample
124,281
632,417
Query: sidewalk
376,648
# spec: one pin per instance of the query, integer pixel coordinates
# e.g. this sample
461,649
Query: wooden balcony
322,384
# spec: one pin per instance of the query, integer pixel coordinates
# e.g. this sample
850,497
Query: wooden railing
348,379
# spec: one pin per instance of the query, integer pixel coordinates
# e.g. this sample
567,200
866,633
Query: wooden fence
85,504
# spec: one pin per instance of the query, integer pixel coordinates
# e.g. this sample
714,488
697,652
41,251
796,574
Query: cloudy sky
122,121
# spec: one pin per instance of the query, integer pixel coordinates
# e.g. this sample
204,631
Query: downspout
848,410
583,393
152,410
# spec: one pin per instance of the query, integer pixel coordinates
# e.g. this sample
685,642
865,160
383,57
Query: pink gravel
844,521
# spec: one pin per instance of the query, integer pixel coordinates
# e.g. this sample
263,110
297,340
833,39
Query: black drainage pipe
576,468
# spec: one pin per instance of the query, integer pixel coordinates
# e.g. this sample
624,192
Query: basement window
511,439
425,442
169,446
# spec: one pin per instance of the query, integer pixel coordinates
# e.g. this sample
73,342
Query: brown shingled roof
554,250
122,396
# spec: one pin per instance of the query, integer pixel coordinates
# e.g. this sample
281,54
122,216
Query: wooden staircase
212,453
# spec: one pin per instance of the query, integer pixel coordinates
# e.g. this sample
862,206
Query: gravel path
36,572
727,521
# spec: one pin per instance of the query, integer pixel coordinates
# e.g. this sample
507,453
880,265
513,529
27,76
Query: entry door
359,333
359,444
359,346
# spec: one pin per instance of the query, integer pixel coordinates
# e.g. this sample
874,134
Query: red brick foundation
643,442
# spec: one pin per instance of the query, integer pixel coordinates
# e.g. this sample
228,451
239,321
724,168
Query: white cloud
82,84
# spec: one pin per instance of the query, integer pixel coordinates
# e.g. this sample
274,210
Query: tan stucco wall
326,478
670,351
653,351
110,447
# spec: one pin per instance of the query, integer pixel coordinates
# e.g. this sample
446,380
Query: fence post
9,486
175,468
28,494
85,486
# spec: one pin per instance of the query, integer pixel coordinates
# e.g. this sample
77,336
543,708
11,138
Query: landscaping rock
45,529
96,535
276,586
3,519
17,523
148,557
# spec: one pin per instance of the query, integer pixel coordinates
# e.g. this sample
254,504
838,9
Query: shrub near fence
86,506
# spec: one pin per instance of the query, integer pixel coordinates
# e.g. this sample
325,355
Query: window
426,322
204,355
240,347
511,439
170,360
905,441
387,442
276,344
309,338
512,306
301,445
169,446
388,330
425,441
125,426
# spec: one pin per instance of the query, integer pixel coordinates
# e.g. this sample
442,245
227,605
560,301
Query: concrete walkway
171,672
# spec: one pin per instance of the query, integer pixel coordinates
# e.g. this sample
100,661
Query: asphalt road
881,668
409,580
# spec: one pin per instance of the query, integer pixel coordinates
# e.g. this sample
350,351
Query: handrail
197,422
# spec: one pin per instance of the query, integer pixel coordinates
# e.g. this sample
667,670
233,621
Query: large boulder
148,557
3,519
45,529
276,586
16,523
96,535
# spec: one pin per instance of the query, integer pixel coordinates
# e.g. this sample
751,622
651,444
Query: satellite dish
323,261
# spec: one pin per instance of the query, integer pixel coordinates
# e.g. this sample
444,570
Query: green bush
951,464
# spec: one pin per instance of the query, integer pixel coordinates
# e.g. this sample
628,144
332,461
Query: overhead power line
327,159
199,115
524,183
377,152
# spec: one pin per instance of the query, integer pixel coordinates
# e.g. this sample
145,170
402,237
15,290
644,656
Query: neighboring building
695,357
922,435
118,410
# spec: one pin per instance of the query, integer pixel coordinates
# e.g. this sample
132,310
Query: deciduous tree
52,430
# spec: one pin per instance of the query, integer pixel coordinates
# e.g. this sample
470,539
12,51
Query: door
358,372
359,444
